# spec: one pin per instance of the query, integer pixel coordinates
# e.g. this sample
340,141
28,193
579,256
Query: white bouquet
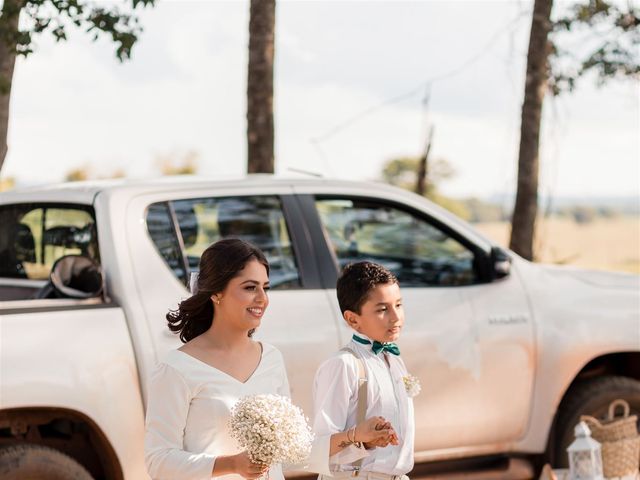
271,429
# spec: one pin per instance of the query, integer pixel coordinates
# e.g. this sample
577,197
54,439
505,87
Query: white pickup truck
509,353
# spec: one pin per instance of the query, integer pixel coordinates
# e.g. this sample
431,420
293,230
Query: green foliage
583,214
402,172
78,174
56,16
610,40
7,183
86,172
176,163
455,206
481,211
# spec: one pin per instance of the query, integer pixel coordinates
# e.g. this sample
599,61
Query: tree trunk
526,206
260,87
8,34
423,167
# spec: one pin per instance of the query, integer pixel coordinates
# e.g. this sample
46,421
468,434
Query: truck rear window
34,236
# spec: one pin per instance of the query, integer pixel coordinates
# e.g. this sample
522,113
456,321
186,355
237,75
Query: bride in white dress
194,388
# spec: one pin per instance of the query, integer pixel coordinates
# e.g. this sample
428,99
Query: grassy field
607,244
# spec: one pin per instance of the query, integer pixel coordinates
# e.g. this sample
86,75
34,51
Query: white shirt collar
365,349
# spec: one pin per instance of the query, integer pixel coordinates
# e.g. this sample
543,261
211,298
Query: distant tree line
404,173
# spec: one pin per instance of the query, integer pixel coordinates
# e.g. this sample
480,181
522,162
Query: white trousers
362,476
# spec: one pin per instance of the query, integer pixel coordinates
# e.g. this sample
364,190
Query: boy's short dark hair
357,280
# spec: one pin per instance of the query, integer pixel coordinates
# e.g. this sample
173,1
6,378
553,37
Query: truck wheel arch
619,364
68,431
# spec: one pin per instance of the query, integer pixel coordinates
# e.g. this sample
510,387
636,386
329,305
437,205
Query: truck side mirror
500,263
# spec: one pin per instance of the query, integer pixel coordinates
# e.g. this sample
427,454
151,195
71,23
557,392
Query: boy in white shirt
370,301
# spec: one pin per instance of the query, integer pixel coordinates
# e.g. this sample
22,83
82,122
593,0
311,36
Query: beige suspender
361,409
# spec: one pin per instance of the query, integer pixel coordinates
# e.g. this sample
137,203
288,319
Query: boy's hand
376,432
383,442
391,439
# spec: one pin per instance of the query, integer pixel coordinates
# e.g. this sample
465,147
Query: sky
350,83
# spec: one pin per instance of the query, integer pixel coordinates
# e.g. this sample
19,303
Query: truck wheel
35,462
591,397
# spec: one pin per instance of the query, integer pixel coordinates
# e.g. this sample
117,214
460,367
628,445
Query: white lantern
585,456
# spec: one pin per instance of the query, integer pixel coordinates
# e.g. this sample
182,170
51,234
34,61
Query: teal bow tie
378,347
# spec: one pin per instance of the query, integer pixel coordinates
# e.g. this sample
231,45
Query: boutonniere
411,385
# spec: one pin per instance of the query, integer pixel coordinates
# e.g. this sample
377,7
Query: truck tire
36,462
591,397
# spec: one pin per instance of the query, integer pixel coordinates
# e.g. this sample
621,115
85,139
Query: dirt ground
605,244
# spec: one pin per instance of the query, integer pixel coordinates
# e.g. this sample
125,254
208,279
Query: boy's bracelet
353,440
349,441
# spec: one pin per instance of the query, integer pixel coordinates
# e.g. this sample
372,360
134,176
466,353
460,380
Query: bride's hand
244,467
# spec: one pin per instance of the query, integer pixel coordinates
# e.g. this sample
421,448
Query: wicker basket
619,439
613,428
621,457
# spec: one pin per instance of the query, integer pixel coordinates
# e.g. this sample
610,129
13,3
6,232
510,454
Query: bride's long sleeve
168,405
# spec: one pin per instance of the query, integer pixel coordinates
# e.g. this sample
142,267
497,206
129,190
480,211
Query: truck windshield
34,236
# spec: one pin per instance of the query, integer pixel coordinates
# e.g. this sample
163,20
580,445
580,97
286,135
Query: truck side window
162,232
418,253
258,219
38,235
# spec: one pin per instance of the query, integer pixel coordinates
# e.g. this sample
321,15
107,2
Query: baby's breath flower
271,429
412,385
